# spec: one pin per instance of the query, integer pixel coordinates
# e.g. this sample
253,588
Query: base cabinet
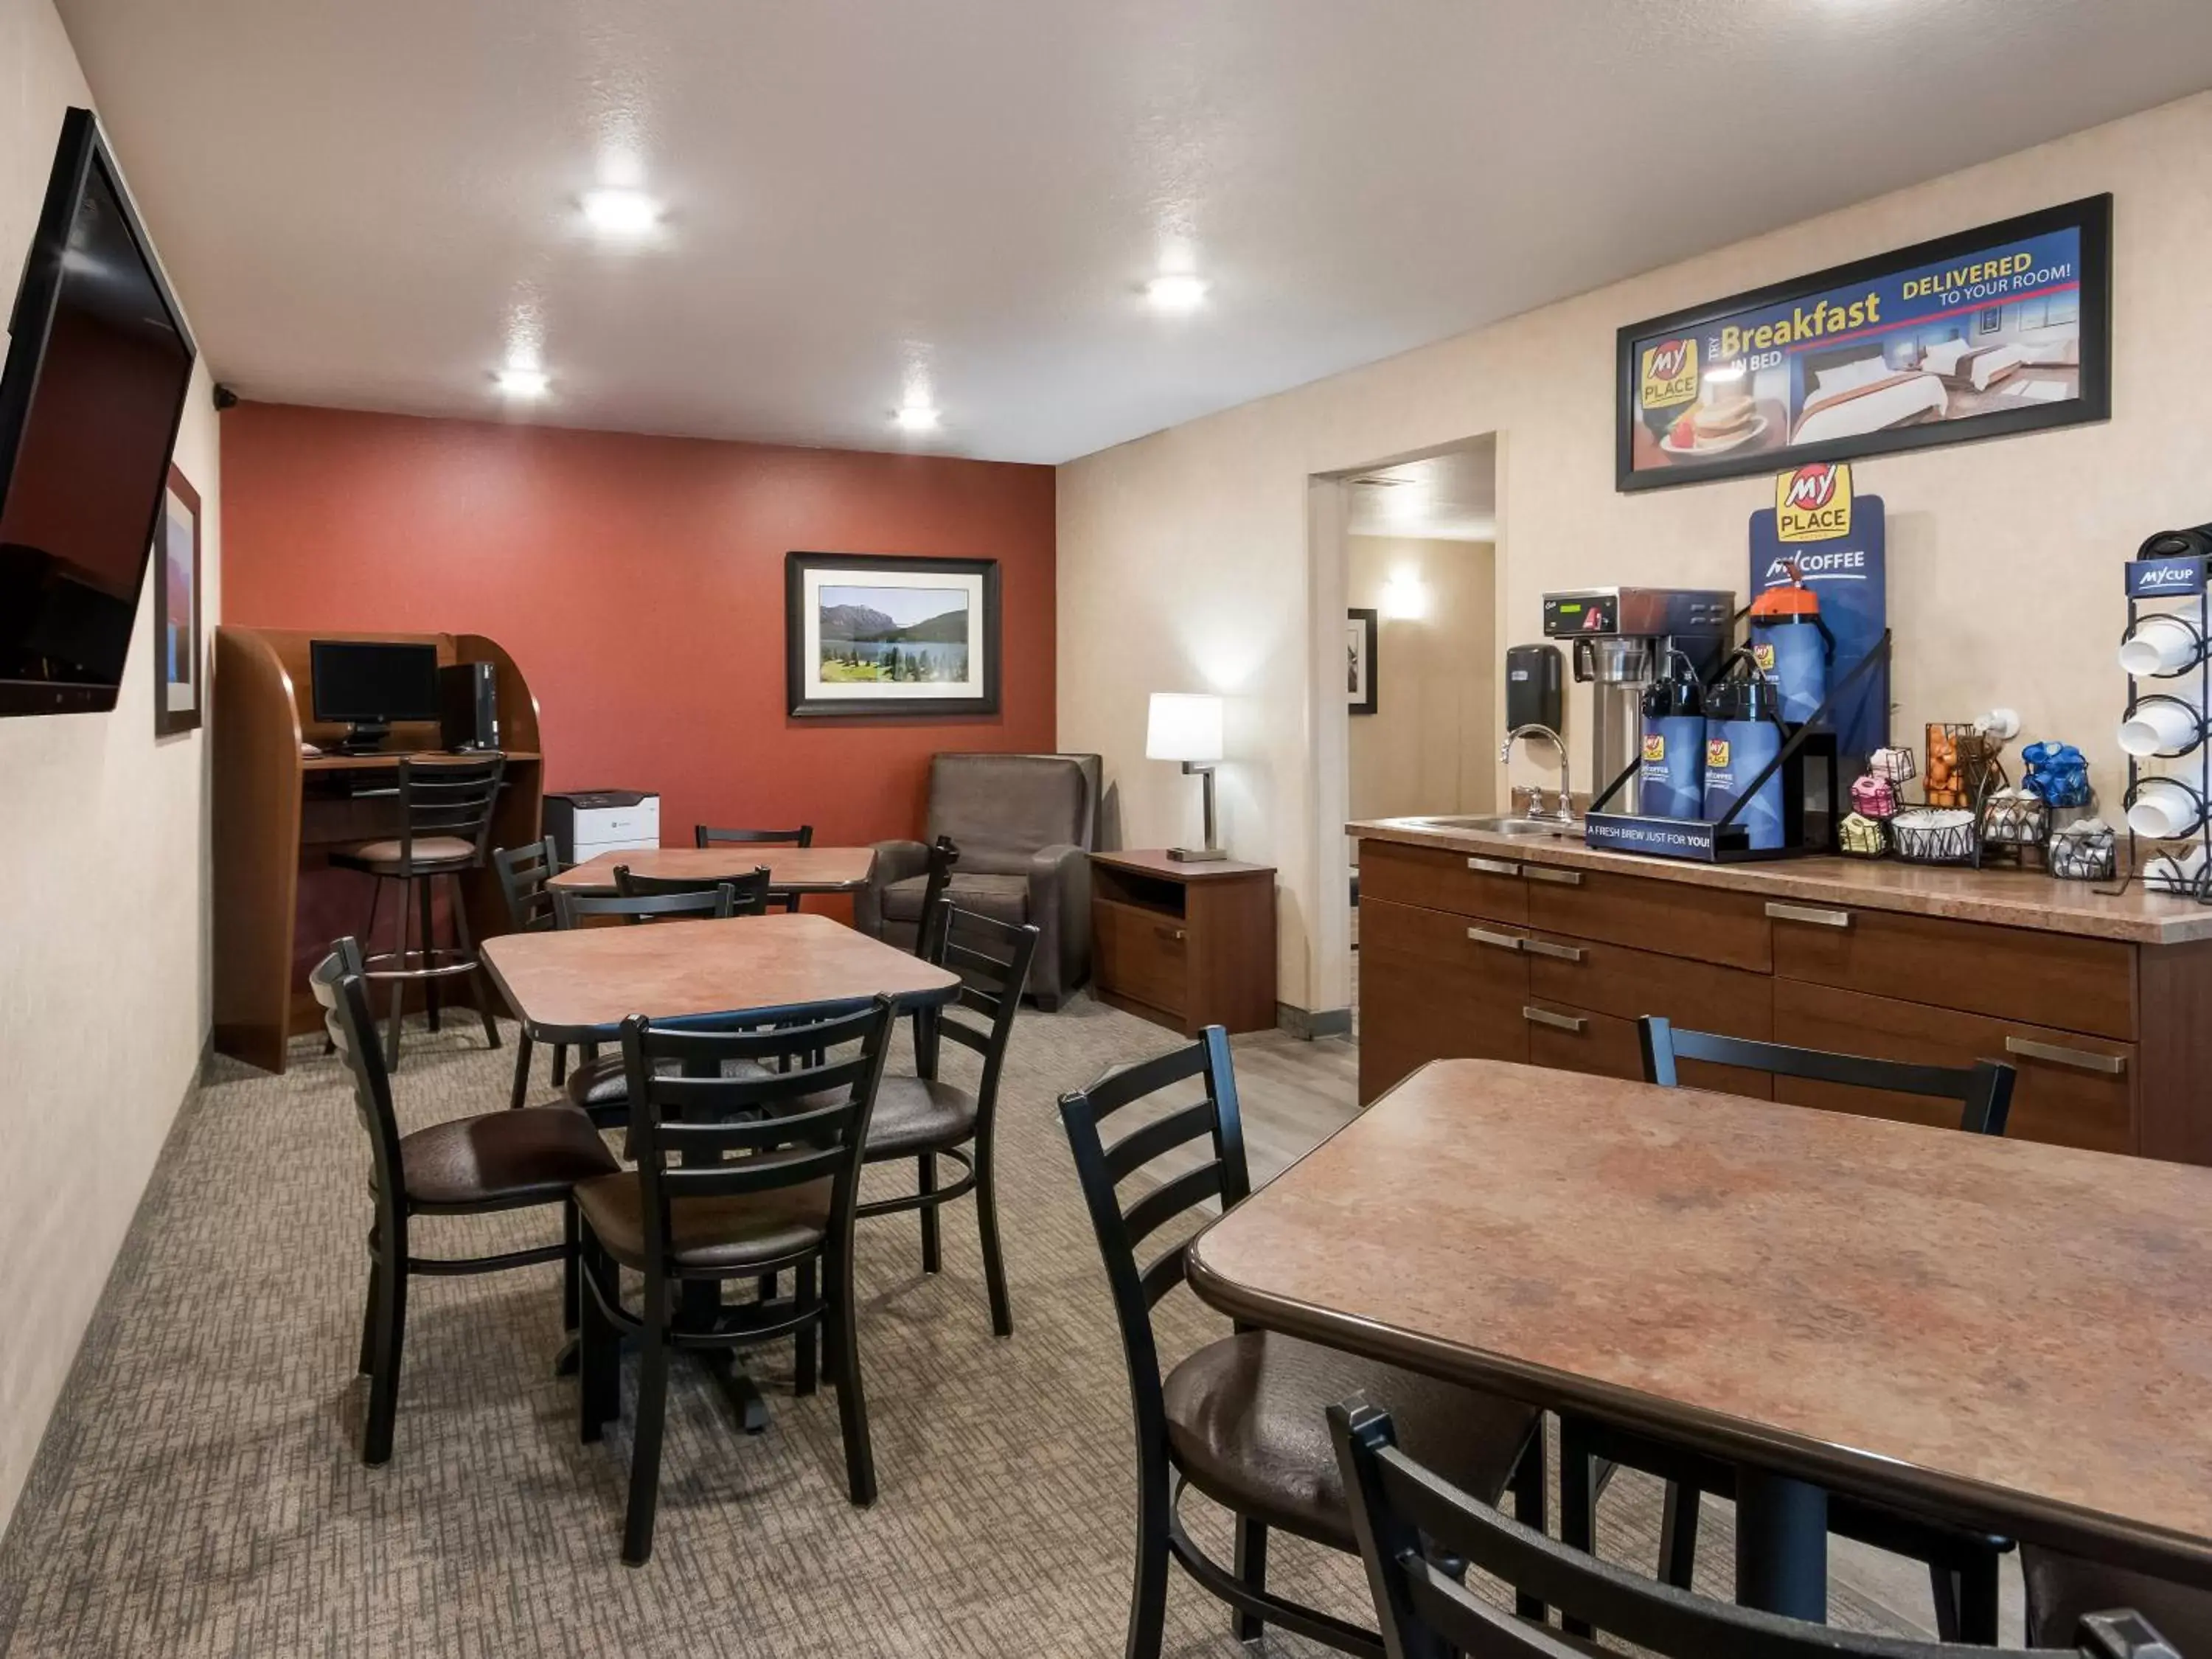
1502,958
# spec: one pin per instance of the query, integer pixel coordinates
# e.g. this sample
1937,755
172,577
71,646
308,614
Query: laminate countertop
2004,897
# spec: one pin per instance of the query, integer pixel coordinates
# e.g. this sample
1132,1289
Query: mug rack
2154,585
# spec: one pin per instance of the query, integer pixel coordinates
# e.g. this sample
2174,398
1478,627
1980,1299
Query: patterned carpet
199,1493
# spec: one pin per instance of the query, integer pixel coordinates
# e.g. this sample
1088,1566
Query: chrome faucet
1565,812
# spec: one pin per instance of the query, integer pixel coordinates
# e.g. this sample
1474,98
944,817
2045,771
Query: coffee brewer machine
1622,641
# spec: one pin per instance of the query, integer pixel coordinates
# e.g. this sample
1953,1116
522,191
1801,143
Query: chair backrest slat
1417,1532
448,797
704,835
748,888
1982,1090
993,959
1141,1145
523,874
570,908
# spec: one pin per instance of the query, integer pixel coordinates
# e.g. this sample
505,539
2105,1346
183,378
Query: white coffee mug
2164,809
2163,724
2160,644
2174,875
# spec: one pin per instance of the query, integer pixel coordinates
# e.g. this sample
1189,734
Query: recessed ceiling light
521,382
1176,291
917,417
621,212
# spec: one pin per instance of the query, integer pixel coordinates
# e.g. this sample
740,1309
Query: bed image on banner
1834,537
2003,329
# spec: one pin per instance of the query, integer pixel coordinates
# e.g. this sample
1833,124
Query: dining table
578,984
2014,1335
792,871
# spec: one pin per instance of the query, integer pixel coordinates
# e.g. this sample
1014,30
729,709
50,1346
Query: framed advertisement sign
2004,329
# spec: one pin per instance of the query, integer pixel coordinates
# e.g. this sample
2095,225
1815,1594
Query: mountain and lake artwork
872,634
893,635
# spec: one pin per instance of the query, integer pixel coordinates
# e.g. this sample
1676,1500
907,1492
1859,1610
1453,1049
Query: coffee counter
1537,948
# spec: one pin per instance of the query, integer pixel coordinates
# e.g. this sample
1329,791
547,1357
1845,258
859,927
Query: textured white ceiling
364,202
1452,496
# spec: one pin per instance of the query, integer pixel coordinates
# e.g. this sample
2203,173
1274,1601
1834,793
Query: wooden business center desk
276,809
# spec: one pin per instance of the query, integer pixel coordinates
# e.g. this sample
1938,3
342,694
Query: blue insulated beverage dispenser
1790,643
1673,777
1743,735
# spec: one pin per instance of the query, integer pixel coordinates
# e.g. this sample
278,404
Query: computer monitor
368,685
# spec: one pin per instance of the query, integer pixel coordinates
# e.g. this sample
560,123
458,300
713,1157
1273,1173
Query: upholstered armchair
1024,825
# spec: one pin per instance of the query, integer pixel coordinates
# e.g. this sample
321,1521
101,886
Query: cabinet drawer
1142,954
2056,980
1704,924
1575,1039
1470,885
2072,1090
1428,991
1615,979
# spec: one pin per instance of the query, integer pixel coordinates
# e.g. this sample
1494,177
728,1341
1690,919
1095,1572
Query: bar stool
444,821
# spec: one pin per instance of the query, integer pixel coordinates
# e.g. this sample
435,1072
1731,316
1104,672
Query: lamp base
1197,854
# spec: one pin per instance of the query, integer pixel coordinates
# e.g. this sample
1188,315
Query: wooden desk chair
508,1160
523,873
704,835
748,890
924,1118
737,1178
1240,1419
445,819
1962,1564
1419,1531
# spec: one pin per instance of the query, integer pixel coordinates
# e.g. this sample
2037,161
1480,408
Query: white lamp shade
1184,726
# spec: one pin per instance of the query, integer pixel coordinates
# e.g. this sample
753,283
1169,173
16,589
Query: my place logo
1655,747
1670,373
1813,502
1717,753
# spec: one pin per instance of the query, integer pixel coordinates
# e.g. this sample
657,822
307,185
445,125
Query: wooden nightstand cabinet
1187,946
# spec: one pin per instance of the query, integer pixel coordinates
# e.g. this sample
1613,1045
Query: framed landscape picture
177,690
870,635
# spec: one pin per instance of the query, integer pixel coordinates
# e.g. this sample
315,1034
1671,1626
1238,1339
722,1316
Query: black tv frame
82,147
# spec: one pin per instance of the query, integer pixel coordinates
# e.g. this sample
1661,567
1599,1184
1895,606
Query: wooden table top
790,869
2017,1333
580,985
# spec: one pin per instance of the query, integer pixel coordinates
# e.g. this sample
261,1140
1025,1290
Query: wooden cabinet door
2071,1091
1435,986
1433,879
1141,954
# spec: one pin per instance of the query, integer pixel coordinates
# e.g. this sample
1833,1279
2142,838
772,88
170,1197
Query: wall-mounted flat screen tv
98,363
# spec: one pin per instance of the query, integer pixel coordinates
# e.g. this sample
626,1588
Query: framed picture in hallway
869,635
177,649
1359,661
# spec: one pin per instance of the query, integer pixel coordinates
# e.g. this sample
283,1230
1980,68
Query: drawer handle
1561,878
1782,912
1546,1017
1493,867
1501,941
2082,1059
1544,947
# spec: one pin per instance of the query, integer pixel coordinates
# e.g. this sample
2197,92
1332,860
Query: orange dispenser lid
1795,599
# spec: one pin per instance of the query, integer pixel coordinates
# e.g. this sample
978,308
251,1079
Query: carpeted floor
199,1492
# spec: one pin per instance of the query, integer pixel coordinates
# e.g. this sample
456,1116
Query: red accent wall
639,583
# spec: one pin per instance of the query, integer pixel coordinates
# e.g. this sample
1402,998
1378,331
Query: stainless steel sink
1500,823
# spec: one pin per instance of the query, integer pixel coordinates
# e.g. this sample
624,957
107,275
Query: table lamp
1186,726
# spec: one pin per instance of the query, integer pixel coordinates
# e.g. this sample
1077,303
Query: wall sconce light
1405,598
1186,726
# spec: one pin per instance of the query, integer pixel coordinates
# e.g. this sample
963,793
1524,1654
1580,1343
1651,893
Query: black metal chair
748,893
704,835
509,1160
1240,1419
444,821
924,1118
523,873
2063,1590
737,1178
1962,1564
937,877
1419,1531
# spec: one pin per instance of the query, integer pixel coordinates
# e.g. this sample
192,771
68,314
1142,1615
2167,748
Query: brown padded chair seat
1246,1423
428,849
918,1114
532,1155
1002,898
2061,1588
708,1233
600,1083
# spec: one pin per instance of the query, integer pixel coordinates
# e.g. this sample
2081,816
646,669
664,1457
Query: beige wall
103,921
1431,743
1182,556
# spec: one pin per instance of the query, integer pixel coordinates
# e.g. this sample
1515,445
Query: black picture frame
1365,620
2092,218
805,697
169,717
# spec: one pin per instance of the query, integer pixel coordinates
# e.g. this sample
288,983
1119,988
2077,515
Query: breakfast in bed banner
1926,346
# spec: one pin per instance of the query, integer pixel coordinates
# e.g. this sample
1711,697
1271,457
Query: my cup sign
1813,502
